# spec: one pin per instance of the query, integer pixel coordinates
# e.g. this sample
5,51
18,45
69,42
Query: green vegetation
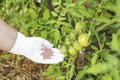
56,21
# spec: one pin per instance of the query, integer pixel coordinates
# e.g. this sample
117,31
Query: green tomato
73,35
64,49
72,51
77,45
67,41
78,26
83,39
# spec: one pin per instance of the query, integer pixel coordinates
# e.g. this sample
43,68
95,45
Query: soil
16,67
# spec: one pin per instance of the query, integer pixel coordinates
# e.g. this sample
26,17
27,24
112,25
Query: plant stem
106,25
98,41
73,59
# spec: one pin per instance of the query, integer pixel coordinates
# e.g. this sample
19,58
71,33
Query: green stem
106,25
98,41
73,59
102,28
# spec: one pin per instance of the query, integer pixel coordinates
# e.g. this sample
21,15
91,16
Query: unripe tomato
72,51
77,45
64,49
78,26
83,39
67,41
73,35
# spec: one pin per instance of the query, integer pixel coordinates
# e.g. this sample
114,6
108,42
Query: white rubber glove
39,1
36,49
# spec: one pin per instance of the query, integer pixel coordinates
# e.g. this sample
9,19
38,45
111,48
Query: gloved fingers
58,58
40,59
51,61
41,41
57,52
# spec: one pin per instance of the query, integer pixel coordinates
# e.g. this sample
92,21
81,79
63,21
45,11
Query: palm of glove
47,53
41,51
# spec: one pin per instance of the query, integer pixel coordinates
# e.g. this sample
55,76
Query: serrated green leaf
61,18
84,12
51,22
94,59
46,15
106,77
116,74
98,68
44,34
32,13
55,3
66,29
112,60
102,19
115,44
54,13
80,74
56,35
48,72
94,47
75,14
61,78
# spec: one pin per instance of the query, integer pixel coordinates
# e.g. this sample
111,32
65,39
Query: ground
14,68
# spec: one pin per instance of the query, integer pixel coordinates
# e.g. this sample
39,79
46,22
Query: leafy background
55,20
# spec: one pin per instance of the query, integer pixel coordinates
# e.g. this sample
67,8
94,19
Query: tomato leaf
115,44
44,34
32,13
80,74
98,68
94,59
56,35
46,15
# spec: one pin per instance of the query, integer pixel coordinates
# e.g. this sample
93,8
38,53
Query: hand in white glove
37,49
39,1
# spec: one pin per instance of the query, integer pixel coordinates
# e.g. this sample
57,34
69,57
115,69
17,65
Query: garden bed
92,26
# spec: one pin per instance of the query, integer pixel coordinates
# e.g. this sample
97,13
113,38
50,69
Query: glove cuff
19,44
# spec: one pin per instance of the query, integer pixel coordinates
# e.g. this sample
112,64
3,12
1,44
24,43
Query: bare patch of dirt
15,67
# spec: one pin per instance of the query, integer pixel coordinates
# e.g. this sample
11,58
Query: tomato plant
72,25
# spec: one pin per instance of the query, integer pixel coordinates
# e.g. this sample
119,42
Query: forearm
7,36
